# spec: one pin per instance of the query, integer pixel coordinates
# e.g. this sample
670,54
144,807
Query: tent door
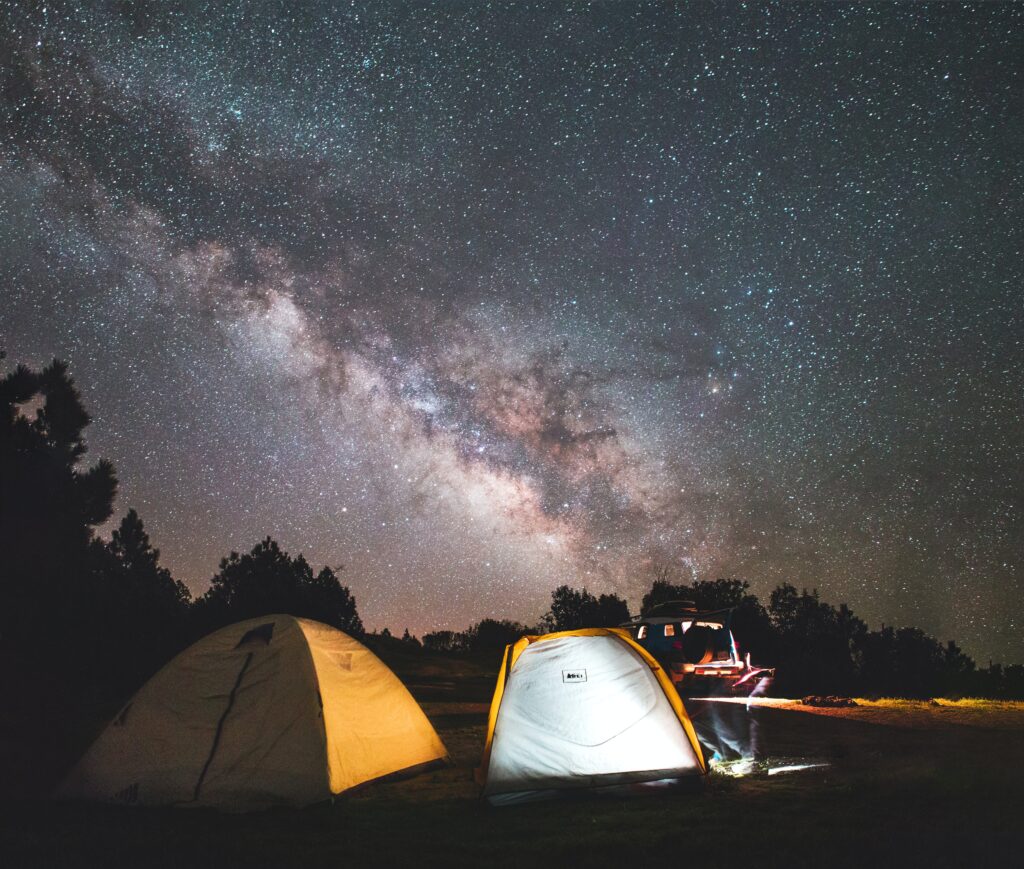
220,725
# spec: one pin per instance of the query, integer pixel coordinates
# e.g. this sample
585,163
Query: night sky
479,299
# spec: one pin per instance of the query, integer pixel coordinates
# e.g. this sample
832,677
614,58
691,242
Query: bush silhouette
268,580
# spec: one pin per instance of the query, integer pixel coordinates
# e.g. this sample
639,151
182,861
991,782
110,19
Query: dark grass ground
925,787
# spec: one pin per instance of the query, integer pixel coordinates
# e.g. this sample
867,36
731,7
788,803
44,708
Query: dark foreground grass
891,796
937,819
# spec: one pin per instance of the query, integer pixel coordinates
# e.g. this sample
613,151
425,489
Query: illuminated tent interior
272,711
584,709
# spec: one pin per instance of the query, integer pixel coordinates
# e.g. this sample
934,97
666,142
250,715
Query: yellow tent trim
513,652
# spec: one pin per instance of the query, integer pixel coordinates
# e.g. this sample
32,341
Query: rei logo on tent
574,675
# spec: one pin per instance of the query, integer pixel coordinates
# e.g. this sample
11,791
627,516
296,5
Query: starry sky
476,299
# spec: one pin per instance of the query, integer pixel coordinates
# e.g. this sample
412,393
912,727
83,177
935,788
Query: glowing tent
584,709
272,711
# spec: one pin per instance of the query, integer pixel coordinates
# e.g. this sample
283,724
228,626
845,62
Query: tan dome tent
584,709
272,711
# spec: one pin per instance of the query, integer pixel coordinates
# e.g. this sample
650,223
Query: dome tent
271,711
583,709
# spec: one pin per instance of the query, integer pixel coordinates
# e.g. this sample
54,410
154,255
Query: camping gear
272,711
581,709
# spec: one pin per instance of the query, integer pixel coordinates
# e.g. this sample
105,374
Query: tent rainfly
272,711
584,709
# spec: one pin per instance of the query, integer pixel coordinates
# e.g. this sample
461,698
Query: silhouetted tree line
487,637
815,647
75,605
570,608
818,648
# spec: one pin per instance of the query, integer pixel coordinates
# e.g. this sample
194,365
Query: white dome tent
271,711
584,709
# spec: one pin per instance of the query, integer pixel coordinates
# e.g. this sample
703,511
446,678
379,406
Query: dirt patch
830,701
916,714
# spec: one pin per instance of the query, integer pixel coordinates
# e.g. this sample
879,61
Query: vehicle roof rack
673,607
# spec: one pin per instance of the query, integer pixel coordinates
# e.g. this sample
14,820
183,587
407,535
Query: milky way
480,299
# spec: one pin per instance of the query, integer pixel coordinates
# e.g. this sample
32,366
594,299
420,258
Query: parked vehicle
697,649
